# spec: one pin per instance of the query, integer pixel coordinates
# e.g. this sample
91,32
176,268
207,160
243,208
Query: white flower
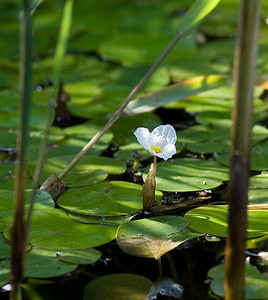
160,142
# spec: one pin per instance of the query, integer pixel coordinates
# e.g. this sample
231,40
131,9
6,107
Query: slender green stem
245,62
119,112
58,59
17,231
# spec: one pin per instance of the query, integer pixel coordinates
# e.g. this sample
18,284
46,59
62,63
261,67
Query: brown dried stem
245,62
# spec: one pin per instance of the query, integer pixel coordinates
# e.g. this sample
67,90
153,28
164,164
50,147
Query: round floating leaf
55,135
113,198
189,174
4,272
213,220
7,176
4,248
123,133
255,282
8,138
131,48
207,139
119,287
258,196
152,237
257,243
89,170
43,199
120,82
52,229
110,165
259,181
259,157
77,137
132,147
88,109
104,220
215,137
43,263
85,178
79,256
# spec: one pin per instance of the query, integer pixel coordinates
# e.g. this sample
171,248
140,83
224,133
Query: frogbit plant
160,142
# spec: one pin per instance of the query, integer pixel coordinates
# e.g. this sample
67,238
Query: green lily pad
131,148
56,134
104,220
259,157
73,256
7,176
4,272
123,134
4,248
40,263
52,229
113,198
131,48
79,135
110,91
215,137
118,286
255,282
259,181
258,189
189,174
257,243
213,220
43,263
93,108
8,138
10,116
89,170
43,199
153,237
215,104
258,196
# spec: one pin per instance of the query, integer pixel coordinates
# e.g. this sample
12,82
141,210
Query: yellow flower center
156,149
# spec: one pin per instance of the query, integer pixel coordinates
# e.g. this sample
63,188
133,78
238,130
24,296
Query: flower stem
148,189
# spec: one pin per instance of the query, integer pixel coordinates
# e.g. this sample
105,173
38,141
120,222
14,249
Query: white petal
167,152
166,134
143,136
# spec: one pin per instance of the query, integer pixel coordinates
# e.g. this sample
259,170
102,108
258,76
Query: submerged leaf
119,287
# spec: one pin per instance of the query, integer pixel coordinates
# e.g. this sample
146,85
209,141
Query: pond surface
97,228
